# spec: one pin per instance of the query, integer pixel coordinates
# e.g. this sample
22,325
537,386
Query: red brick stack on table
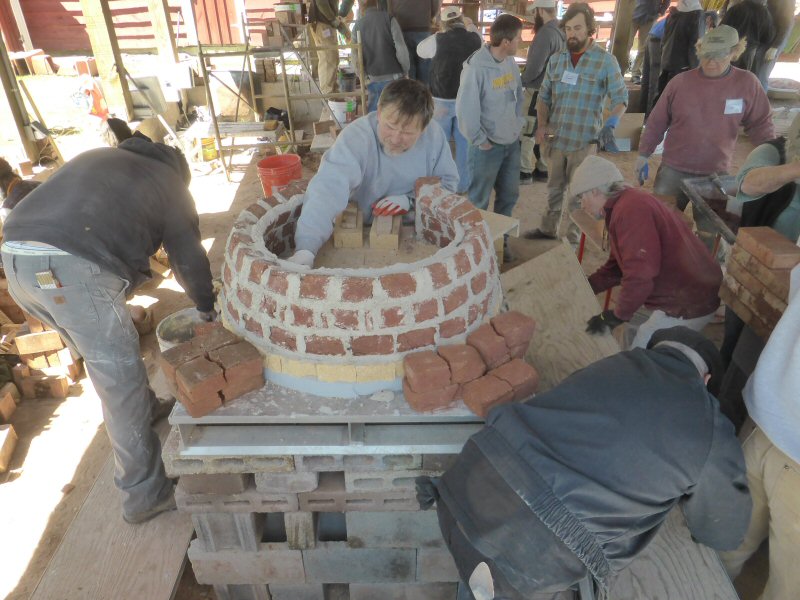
488,370
212,368
756,283
360,321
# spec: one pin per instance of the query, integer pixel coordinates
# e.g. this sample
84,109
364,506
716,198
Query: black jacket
754,22
681,32
453,47
115,207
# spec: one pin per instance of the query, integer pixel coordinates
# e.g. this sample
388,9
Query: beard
538,23
575,45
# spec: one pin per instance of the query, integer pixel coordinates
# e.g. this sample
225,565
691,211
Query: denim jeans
445,115
496,168
420,67
374,90
89,312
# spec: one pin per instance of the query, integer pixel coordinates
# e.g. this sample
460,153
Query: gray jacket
490,100
548,40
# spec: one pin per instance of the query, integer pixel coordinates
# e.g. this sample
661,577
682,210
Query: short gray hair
410,98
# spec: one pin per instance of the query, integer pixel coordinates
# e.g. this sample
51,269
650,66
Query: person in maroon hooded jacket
667,275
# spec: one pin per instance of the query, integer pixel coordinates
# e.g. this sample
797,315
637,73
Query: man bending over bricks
375,162
73,248
666,274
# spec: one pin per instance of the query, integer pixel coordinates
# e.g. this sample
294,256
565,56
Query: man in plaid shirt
570,111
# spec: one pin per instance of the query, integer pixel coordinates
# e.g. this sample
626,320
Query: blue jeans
374,90
420,67
89,312
496,168
445,115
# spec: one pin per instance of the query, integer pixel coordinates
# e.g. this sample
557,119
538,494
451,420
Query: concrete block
271,563
177,465
241,592
438,463
418,529
249,501
286,483
381,480
381,462
218,483
436,565
319,463
331,496
8,441
311,591
403,591
335,562
229,531
300,530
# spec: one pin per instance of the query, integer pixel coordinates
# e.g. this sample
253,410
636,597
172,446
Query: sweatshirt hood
483,57
160,152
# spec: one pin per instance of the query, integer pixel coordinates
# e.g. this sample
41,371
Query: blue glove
612,121
606,139
642,169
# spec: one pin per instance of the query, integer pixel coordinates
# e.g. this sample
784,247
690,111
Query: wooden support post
103,38
162,31
17,105
22,26
623,24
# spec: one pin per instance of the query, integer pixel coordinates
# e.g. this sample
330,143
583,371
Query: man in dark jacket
645,14
13,188
752,21
73,249
685,25
667,275
580,478
415,18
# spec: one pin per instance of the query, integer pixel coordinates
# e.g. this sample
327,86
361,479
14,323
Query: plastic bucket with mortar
279,170
347,80
344,111
177,328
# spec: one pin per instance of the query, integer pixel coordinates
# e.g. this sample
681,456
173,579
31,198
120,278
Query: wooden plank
101,556
500,225
673,566
162,31
593,228
553,289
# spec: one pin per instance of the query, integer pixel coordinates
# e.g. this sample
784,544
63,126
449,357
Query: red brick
478,283
356,289
174,357
269,306
516,328
462,262
245,296
257,270
452,327
200,406
281,337
519,351
445,241
474,313
345,319
424,311
243,369
430,180
426,371
492,347
216,338
256,210
314,286
237,238
433,225
430,401
227,275
253,326
419,338
477,251
282,218
519,375
278,281
439,275
204,328
329,346
399,284
231,310
464,361
199,378
470,218
769,247
303,316
392,317
486,392
431,237
240,256
455,299
368,345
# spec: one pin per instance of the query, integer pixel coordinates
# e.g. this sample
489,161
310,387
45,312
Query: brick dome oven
343,332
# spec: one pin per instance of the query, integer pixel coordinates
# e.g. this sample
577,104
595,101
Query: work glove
391,205
302,258
606,137
602,323
642,169
209,316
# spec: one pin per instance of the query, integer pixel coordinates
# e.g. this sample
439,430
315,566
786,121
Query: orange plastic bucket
279,170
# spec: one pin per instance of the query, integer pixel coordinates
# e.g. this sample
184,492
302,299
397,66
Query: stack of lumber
756,284
9,398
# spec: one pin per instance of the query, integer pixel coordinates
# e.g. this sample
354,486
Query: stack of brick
756,284
310,527
9,398
47,365
488,370
212,368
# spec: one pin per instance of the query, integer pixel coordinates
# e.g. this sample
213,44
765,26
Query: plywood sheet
101,556
553,289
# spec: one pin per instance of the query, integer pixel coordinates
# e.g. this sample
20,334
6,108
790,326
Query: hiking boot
539,175
161,408
164,506
525,178
538,234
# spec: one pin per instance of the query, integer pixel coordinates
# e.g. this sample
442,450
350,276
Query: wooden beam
103,38
623,23
22,26
16,103
162,30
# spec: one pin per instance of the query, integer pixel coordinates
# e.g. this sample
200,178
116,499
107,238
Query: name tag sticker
571,78
734,106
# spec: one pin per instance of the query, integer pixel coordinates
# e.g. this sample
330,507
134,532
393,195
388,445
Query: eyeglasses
716,56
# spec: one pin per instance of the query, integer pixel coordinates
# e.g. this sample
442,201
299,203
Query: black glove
607,140
605,321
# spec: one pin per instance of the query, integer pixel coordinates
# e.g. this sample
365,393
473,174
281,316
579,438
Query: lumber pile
756,284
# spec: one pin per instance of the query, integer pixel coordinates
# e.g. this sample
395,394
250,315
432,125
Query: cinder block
768,246
432,400
247,502
8,441
335,562
312,591
418,529
514,327
300,530
492,347
521,376
331,496
7,407
381,462
438,463
33,343
436,565
271,563
229,531
218,483
177,465
426,371
242,592
383,481
403,591
286,483
319,463
334,373
484,393
464,361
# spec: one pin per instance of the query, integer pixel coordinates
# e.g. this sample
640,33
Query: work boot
538,234
167,504
525,178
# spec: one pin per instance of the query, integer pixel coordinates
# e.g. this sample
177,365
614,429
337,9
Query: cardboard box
629,131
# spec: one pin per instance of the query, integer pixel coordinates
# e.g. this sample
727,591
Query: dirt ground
63,445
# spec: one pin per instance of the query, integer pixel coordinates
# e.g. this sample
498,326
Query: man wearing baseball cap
666,274
700,111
